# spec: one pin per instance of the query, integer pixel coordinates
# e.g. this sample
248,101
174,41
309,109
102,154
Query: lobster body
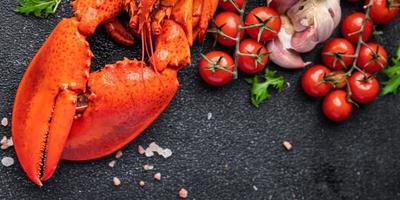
63,111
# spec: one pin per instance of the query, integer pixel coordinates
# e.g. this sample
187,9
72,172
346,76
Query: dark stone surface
225,157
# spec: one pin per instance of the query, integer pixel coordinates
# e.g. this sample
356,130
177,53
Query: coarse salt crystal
10,142
157,176
154,147
255,188
166,153
4,122
183,193
148,153
141,183
4,146
147,167
118,154
209,116
3,140
116,181
112,163
141,150
287,145
7,161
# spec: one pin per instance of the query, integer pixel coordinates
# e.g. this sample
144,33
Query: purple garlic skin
305,24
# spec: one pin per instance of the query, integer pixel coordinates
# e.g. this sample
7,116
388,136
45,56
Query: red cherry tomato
217,69
313,82
372,58
384,11
336,107
250,64
364,88
338,53
268,18
352,24
228,23
228,6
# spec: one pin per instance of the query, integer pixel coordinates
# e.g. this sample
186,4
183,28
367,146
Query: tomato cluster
345,78
261,24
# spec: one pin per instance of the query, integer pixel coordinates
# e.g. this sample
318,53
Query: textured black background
225,157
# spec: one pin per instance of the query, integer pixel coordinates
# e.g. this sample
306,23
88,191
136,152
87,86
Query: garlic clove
283,57
305,41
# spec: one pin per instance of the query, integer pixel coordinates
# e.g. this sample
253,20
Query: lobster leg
208,9
118,32
183,14
92,13
46,98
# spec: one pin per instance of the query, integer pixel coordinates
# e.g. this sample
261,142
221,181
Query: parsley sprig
260,86
38,8
392,85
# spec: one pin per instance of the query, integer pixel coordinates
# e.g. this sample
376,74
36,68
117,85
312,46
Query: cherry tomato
313,82
336,107
364,88
338,53
372,58
250,64
228,23
217,69
268,19
352,24
384,11
338,78
228,6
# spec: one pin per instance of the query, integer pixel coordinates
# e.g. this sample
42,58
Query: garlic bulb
312,22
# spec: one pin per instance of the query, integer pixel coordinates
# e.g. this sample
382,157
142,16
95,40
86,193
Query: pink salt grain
183,193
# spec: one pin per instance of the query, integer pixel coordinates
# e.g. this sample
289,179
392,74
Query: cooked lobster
62,111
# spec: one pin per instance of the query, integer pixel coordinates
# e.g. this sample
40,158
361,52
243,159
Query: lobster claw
126,97
46,100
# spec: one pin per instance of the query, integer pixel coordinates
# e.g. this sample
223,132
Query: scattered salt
287,145
141,150
141,183
154,148
10,142
209,116
148,153
157,176
4,146
166,153
147,167
183,193
7,161
112,163
288,84
255,188
116,181
3,140
4,122
118,154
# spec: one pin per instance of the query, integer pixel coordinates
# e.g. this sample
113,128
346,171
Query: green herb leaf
392,85
260,86
38,8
